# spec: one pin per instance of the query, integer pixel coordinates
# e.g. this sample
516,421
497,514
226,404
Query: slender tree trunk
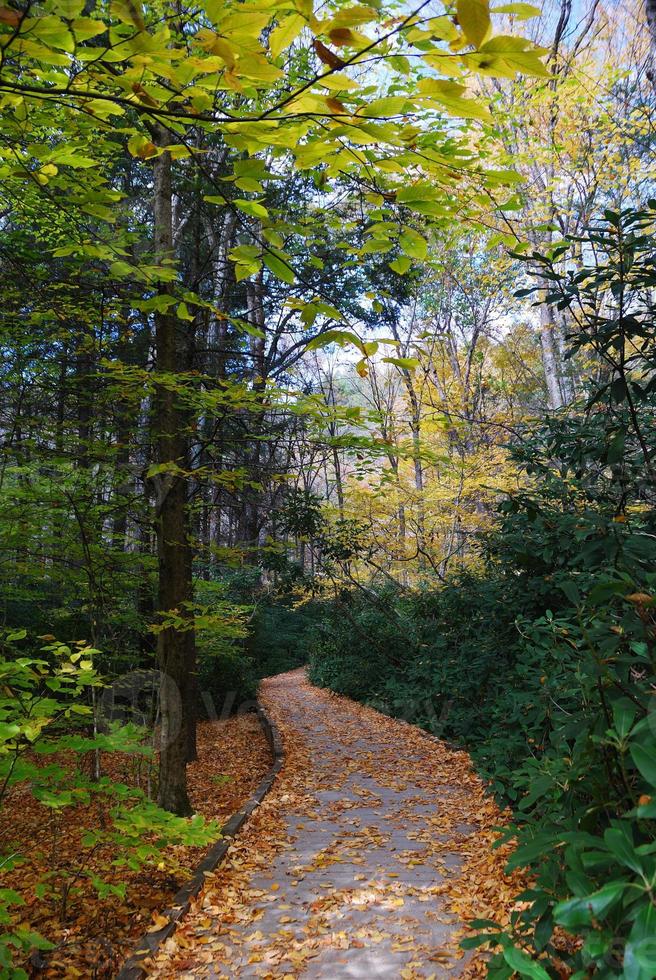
650,17
60,417
251,502
122,458
172,526
415,430
84,393
550,358
339,487
401,522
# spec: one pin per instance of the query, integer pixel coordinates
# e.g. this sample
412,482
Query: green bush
543,669
544,664
226,680
278,638
46,711
226,676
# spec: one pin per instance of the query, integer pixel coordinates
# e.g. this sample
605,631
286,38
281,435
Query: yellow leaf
287,31
129,12
474,18
158,923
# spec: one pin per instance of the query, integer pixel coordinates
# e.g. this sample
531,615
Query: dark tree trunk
174,560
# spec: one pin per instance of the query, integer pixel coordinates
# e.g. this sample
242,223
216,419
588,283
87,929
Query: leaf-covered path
365,860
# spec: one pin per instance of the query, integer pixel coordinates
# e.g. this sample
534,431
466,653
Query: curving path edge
134,967
366,860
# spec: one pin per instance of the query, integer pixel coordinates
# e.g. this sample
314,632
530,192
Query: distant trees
193,202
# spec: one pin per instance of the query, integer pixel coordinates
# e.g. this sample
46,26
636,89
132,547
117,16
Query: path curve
364,860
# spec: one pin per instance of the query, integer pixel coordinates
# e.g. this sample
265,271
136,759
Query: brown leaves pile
95,937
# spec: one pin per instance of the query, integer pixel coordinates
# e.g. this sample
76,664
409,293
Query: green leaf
624,712
645,760
121,270
473,942
511,55
522,10
279,267
215,199
524,964
615,450
252,208
287,31
245,253
571,591
249,184
69,8
407,363
71,157
413,243
503,177
577,912
10,897
183,313
341,337
450,95
640,950
619,843
243,326
129,12
33,939
245,271
392,105
51,30
400,265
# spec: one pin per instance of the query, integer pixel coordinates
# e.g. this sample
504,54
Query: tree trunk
84,397
415,430
190,707
550,359
650,17
339,487
248,533
172,526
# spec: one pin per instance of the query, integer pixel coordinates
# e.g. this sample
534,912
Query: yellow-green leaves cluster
360,91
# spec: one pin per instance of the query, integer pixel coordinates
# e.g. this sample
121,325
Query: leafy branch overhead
282,82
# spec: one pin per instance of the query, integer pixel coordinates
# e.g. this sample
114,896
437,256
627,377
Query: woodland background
329,336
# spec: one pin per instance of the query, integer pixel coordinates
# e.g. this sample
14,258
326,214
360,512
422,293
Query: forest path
362,862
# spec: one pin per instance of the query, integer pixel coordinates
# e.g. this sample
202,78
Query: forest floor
93,936
367,858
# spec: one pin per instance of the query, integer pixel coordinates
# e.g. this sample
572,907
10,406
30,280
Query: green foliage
226,677
281,632
558,635
85,585
275,621
47,713
38,694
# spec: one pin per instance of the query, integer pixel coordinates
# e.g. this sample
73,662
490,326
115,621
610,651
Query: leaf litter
373,852
96,935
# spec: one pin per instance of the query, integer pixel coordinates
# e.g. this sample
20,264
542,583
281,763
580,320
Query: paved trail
361,863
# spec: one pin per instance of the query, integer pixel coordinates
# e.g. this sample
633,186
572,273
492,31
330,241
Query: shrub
46,717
